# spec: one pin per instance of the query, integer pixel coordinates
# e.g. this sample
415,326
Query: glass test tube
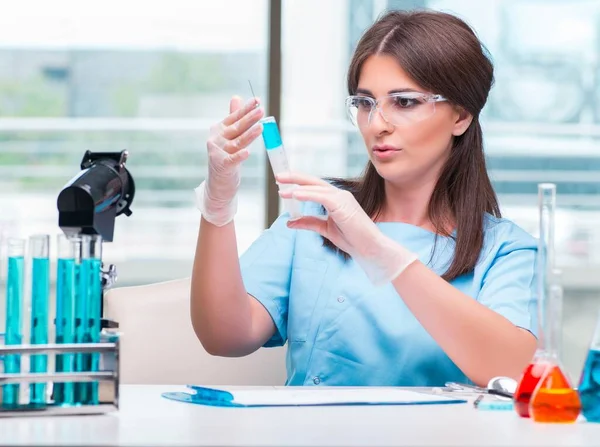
94,261
279,161
39,248
14,309
68,251
87,310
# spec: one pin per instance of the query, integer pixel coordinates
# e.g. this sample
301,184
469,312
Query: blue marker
279,161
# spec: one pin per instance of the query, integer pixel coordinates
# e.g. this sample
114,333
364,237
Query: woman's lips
385,151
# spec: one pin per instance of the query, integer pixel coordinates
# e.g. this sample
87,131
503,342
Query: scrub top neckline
393,225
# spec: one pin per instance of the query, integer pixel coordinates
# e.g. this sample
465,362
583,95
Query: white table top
146,418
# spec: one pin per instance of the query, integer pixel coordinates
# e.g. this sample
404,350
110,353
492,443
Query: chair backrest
158,343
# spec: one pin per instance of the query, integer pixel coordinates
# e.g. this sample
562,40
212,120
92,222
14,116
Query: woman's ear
462,123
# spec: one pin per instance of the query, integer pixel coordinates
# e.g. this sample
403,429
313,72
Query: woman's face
414,149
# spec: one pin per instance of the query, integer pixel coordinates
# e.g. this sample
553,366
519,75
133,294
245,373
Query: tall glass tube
546,259
68,250
39,248
545,267
554,345
14,310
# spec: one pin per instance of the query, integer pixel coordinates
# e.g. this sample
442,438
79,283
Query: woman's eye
362,103
406,102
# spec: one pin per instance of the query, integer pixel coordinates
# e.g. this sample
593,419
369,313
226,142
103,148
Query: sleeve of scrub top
266,271
509,286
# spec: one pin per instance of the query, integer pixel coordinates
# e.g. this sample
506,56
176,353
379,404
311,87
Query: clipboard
307,396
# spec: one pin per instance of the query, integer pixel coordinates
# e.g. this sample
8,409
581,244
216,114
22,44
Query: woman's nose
377,122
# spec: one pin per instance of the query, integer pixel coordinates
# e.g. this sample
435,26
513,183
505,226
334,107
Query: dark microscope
90,202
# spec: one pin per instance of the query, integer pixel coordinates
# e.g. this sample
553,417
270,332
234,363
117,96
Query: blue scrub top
341,330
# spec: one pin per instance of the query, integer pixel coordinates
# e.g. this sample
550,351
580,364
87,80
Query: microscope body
90,202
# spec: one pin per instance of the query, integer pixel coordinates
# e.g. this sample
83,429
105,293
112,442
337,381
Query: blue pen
481,404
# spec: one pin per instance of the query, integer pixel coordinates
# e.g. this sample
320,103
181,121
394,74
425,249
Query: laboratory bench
146,418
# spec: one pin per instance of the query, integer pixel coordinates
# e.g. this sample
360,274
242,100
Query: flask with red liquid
545,266
554,398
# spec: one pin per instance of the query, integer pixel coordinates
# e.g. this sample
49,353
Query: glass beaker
589,383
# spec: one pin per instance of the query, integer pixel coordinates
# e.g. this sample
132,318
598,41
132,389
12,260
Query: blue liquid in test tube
89,295
279,161
40,289
81,301
14,309
68,249
93,267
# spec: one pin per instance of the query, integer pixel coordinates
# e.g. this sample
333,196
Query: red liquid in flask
530,379
555,400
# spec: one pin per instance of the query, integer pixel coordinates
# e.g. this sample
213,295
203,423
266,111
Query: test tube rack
107,377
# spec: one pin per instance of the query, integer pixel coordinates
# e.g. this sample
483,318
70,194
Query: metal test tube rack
107,378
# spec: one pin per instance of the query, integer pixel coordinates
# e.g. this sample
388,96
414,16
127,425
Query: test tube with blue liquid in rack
279,161
93,264
81,281
39,248
68,251
14,310
87,312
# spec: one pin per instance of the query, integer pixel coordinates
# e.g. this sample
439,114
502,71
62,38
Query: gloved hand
348,227
216,197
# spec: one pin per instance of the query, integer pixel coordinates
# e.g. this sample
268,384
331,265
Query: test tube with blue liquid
39,247
87,312
279,161
81,281
14,310
589,383
93,264
68,251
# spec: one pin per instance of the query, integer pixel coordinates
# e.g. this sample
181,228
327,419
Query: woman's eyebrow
403,90
364,91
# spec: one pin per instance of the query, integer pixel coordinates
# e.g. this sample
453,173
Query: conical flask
545,265
589,384
554,398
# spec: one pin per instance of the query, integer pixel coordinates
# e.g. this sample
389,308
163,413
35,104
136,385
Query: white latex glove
227,143
348,227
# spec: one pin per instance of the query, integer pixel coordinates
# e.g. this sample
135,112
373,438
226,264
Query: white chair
159,346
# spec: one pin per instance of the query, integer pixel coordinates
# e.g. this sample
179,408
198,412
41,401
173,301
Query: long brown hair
444,56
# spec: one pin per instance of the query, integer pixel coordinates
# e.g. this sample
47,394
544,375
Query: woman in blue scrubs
405,276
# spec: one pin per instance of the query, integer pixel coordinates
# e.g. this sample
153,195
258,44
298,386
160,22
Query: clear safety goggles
398,109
